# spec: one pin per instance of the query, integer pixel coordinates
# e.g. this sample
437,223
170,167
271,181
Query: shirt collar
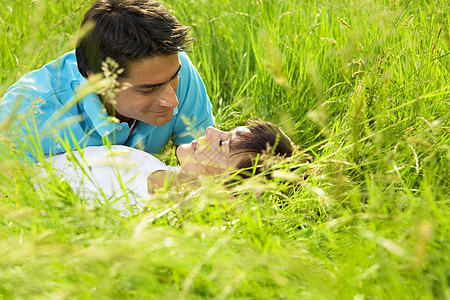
96,113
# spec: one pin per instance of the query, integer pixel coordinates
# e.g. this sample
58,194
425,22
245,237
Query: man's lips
161,112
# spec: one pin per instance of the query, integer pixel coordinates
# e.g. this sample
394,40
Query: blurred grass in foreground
362,85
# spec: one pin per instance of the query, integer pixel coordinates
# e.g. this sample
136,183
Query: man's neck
113,113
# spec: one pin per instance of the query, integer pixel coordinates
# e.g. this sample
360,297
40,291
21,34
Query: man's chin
160,120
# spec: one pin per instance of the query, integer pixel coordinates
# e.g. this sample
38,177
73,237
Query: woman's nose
212,133
213,136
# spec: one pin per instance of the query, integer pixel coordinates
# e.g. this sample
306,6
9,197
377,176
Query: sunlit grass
363,86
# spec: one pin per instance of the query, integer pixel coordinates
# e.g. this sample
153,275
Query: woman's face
210,154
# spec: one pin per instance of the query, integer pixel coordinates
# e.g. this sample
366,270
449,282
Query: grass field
362,85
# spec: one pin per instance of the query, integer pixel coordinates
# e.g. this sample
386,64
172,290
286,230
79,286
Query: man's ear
89,73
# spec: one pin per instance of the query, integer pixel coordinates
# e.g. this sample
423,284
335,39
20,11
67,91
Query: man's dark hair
261,138
127,31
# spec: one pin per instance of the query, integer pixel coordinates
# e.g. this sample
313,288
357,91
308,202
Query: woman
121,172
235,151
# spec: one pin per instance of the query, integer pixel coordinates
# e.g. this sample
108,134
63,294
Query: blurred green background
363,86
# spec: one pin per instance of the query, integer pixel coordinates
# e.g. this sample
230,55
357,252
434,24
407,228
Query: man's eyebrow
149,86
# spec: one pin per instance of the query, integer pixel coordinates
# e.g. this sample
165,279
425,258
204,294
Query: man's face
151,93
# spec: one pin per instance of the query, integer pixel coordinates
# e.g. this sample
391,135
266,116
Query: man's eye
220,143
146,92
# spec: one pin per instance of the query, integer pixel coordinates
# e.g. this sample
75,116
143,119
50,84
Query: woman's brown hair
261,138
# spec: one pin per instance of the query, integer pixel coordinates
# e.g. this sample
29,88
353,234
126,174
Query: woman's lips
194,145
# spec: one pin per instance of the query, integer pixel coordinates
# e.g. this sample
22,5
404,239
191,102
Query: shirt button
119,127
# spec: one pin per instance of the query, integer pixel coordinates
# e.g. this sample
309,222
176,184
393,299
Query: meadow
362,85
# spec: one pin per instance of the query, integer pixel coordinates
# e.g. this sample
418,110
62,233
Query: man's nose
168,97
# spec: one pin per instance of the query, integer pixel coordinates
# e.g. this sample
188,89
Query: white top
117,175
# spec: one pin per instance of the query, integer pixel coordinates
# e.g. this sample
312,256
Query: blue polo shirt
46,100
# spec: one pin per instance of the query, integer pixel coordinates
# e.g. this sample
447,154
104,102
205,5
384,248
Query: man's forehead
154,70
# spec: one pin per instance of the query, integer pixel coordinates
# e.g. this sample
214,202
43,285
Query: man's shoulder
56,77
65,63
61,71
64,67
185,61
183,56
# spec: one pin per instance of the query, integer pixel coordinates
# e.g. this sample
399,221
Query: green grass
370,101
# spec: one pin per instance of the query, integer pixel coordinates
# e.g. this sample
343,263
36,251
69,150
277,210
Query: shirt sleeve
195,109
27,109
40,119
40,107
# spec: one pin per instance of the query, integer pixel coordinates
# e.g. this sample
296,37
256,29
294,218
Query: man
156,96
